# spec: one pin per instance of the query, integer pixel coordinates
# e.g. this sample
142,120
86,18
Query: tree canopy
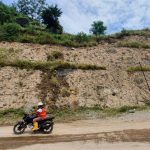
98,28
31,8
50,16
7,14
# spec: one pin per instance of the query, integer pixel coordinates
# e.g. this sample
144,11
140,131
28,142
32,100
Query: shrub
27,39
123,33
7,13
65,92
22,21
45,38
10,31
81,37
12,112
70,43
31,30
54,81
55,55
146,29
124,109
133,45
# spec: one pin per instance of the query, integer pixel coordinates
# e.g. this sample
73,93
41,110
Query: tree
98,28
23,7
7,13
31,8
50,16
36,7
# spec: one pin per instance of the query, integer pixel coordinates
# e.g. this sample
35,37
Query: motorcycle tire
48,127
19,128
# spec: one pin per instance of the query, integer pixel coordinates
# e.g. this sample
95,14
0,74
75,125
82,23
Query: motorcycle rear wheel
19,128
48,128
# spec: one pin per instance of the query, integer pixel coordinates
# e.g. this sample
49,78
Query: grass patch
54,81
138,68
55,55
124,32
37,34
66,114
10,116
42,37
11,112
8,54
123,109
53,65
134,45
65,92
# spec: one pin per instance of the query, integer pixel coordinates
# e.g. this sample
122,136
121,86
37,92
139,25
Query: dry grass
134,44
138,68
10,116
53,65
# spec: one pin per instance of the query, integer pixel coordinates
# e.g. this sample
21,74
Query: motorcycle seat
48,118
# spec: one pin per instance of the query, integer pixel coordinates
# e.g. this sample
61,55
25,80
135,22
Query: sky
78,15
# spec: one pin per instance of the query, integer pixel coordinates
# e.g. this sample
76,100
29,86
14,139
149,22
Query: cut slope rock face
113,87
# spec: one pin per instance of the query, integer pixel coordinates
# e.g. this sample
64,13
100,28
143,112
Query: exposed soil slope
113,87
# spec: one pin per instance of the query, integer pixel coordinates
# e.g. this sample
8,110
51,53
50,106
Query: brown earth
90,144
110,137
126,128
113,87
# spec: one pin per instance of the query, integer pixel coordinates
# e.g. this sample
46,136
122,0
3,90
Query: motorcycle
45,126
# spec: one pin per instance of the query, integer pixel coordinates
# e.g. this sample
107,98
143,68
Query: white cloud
78,15
116,14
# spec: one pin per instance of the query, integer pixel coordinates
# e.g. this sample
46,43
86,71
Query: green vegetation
21,22
10,31
31,8
125,109
65,92
138,68
134,44
10,116
98,28
8,57
67,114
82,37
124,32
8,54
54,65
11,112
55,55
32,35
54,81
50,17
7,14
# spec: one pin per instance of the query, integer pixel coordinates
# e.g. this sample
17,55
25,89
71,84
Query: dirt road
127,128
90,145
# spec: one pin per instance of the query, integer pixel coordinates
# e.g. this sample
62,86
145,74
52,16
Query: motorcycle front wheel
19,128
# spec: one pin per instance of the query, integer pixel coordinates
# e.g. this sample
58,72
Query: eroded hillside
113,87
